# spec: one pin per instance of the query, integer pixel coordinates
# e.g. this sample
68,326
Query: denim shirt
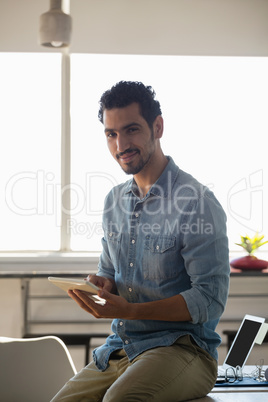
173,241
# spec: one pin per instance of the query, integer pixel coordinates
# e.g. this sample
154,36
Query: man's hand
115,306
103,283
171,309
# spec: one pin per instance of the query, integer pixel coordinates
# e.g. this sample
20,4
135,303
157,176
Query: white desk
237,394
235,397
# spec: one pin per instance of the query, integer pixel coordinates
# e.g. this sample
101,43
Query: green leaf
251,244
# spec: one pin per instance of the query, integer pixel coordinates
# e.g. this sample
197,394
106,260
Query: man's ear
158,126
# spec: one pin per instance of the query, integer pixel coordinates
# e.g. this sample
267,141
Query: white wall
186,27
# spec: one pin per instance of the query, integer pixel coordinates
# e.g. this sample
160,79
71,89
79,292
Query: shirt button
157,247
130,289
136,214
131,264
133,241
110,234
126,342
121,323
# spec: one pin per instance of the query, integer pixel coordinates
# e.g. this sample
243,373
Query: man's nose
122,143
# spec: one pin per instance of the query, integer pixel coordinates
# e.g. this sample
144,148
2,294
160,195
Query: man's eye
110,135
132,129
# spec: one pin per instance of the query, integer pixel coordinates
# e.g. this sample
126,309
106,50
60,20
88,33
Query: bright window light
30,127
215,115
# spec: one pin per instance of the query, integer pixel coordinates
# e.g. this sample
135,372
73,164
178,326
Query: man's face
129,138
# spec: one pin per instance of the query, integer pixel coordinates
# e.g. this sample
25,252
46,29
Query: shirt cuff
195,305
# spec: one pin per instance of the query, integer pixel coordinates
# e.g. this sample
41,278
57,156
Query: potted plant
250,261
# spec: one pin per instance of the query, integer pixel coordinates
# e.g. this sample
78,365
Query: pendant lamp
55,27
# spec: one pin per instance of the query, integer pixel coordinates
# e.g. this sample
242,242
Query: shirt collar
163,186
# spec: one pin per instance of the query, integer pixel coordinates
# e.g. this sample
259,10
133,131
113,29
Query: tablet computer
79,284
243,341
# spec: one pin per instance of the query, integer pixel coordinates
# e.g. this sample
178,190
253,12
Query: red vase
249,263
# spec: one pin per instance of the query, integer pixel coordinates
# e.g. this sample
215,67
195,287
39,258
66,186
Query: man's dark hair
124,93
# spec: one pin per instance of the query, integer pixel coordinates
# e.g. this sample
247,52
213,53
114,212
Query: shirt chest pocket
160,257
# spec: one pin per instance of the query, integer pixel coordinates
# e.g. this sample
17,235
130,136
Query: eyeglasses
233,374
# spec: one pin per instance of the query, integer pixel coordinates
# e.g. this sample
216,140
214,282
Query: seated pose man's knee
163,270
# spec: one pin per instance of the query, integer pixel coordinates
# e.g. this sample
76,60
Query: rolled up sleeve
206,259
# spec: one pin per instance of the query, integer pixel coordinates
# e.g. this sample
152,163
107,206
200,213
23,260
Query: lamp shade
55,27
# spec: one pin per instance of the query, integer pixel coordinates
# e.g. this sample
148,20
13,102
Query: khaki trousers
179,372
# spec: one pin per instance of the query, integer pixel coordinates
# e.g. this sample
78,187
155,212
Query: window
30,127
215,115
214,111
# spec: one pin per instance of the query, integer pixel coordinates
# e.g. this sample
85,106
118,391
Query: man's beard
128,169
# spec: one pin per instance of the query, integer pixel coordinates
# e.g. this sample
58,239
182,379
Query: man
163,271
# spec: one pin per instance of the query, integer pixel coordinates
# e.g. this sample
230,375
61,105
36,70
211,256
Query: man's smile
127,156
